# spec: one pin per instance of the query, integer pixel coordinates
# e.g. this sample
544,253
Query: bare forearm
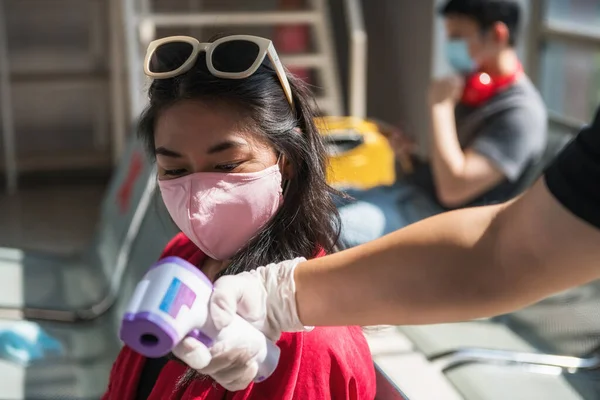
424,273
447,157
461,265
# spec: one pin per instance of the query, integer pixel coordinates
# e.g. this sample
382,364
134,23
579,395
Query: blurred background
65,93
71,86
65,101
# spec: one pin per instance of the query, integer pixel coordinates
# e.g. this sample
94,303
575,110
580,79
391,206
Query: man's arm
459,175
461,265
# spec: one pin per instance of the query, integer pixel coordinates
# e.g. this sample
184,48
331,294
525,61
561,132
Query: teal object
25,342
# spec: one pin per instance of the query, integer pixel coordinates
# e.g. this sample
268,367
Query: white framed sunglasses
230,57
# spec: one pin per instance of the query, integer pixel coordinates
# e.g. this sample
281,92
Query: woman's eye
227,167
174,172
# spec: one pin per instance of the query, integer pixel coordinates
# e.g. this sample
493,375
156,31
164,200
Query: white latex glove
265,297
231,363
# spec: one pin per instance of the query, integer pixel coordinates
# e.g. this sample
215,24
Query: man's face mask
457,54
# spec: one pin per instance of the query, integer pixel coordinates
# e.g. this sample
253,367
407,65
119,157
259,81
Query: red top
327,363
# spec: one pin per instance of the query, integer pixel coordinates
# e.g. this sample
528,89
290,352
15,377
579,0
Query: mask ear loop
286,183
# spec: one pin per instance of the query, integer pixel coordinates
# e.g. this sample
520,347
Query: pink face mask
220,212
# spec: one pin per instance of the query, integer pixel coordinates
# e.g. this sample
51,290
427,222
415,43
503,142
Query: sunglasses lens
235,56
170,56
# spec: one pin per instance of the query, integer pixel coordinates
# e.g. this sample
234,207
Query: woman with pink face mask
241,169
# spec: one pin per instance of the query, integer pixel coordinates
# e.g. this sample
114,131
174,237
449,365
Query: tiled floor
49,217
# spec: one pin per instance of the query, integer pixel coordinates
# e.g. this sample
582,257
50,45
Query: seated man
488,128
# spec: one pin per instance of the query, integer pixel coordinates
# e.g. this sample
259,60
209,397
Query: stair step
230,18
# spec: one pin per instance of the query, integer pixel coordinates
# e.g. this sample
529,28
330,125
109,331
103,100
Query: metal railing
473,355
357,81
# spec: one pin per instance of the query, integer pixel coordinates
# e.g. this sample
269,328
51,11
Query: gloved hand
231,363
266,298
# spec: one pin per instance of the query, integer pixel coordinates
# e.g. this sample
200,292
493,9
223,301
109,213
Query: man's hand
401,144
232,363
446,90
265,297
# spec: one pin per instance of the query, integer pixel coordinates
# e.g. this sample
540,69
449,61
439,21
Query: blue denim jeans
376,212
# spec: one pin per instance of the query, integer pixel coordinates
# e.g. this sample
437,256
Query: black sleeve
574,177
150,372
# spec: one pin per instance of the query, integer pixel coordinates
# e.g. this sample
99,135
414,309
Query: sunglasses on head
231,57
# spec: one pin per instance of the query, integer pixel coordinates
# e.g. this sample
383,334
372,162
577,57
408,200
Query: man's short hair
486,13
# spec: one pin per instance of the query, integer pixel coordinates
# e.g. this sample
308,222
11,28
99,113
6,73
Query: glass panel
570,80
585,12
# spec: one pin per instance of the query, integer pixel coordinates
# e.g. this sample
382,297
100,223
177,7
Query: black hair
308,220
486,13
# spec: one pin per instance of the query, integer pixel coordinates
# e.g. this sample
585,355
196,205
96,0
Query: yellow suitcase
359,154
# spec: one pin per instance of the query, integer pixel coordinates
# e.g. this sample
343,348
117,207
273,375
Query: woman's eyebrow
163,151
229,144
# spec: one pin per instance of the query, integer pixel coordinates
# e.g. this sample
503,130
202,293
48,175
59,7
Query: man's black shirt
574,177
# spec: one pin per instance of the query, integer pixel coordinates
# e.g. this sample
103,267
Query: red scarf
327,363
481,86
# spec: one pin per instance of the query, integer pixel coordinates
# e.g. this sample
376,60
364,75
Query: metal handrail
357,77
473,355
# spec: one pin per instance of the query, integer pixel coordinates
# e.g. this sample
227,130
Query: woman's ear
287,170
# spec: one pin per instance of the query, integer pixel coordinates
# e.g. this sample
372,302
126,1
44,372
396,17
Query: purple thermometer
171,303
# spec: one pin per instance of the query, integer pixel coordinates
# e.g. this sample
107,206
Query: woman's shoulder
328,360
342,348
339,341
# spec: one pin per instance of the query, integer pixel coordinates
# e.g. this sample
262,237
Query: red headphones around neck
481,86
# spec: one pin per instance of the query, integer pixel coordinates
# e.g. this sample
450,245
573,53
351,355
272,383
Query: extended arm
460,265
